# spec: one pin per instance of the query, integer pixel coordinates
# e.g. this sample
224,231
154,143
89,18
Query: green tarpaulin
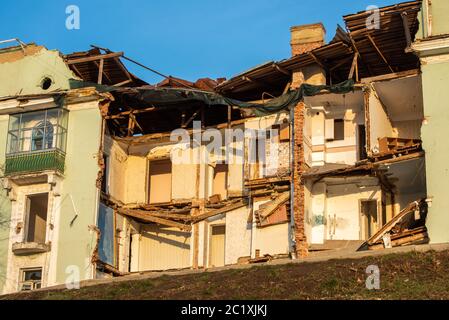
165,97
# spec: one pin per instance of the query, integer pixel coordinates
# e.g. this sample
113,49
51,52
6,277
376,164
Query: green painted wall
434,134
76,242
5,205
440,23
22,73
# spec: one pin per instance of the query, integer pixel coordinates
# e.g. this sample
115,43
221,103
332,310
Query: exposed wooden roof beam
100,71
379,52
94,58
124,114
315,58
282,70
104,73
260,83
153,219
191,118
408,36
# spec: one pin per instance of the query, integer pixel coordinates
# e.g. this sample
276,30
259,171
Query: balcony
36,142
35,162
28,248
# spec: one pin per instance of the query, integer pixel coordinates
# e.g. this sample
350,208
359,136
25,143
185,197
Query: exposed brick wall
298,194
305,47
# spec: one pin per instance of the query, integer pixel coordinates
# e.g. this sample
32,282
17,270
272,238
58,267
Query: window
220,183
37,131
30,279
334,129
160,181
36,223
339,129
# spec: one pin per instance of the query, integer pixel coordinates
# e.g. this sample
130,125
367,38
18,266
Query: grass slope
402,276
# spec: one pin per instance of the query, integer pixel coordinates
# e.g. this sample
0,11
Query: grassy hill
413,275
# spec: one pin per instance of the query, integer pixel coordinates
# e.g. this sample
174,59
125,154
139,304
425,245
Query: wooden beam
191,118
100,71
125,114
258,82
133,117
353,66
121,66
94,58
408,36
379,52
354,46
340,63
282,70
164,215
122,83
104,73
315,58
148,218
219,211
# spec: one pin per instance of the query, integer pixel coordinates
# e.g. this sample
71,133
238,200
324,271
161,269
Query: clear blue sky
188,39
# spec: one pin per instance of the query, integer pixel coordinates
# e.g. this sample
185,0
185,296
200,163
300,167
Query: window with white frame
30,279
37,131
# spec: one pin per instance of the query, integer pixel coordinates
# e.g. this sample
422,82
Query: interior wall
271,239
379,123
335,207
238,235
117,165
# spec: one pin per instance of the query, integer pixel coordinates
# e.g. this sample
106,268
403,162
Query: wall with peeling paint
22,72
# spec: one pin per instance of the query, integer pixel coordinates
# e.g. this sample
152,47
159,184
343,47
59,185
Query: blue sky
187,39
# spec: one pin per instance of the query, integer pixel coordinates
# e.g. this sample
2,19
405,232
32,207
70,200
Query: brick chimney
305,38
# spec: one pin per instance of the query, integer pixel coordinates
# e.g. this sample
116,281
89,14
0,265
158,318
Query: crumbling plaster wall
116,175
272,239
238,235
379,123
17,235
318,150
277,158
335,207
22,72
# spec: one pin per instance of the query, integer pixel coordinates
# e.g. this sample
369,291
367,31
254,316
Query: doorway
217,246
369,214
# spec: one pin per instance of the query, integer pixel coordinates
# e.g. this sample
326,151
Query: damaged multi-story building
104,174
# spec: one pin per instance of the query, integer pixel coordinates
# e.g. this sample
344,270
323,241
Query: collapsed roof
380,51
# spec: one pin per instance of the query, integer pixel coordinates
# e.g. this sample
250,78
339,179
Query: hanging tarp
106,225
292,97
166,97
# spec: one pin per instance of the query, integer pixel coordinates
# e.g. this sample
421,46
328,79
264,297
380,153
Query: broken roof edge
366,165
393,7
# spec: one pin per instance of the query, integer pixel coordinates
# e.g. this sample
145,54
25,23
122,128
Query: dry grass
402,276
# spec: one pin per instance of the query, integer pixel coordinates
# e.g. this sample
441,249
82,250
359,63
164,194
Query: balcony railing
31,162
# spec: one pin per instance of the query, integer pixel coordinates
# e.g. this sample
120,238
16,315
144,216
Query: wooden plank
219,211
94,58
149,218
100,71
408,36
353,66
379,52
393,222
